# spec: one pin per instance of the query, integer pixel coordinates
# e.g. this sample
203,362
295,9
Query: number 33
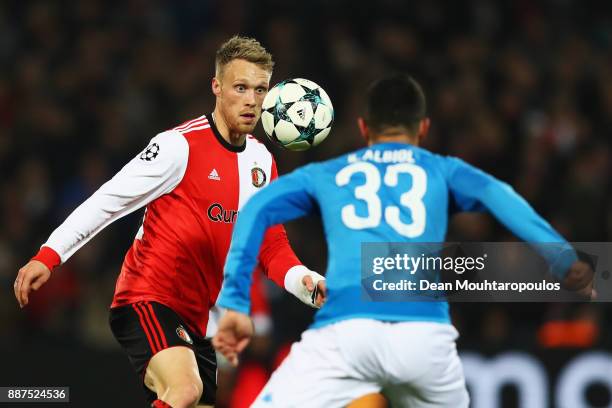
368,192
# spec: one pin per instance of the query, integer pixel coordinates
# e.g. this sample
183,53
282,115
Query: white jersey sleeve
154,172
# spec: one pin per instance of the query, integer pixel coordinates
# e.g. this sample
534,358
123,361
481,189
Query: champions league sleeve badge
150,152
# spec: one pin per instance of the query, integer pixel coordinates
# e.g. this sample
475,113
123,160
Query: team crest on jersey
182,333
258,177
150,152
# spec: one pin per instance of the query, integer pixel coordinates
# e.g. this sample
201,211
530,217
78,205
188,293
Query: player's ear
363,129
216,86
424,125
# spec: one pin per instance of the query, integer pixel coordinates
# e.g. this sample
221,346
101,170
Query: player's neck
394,138
233,138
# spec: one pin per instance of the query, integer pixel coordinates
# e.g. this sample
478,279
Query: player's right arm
152,173
473,189
288,198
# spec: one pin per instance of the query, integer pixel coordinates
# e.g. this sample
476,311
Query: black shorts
145,328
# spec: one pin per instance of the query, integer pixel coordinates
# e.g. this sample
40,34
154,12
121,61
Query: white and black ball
297,114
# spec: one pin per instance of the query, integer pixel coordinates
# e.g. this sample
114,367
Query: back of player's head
395,101
248,49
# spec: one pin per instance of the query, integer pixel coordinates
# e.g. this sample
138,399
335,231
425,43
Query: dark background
521,89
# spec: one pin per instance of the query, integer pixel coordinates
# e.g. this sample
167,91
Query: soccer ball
297,114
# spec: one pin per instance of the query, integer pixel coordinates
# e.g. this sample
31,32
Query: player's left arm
473,189
281,264
284,200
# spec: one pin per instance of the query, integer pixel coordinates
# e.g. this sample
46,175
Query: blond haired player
193,180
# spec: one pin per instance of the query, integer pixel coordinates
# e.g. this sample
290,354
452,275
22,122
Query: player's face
240,92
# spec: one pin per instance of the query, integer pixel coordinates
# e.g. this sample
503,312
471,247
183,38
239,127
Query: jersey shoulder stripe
197,122
199,126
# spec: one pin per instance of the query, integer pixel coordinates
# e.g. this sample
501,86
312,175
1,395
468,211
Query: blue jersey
390,192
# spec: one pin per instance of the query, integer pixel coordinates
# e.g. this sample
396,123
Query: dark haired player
391,191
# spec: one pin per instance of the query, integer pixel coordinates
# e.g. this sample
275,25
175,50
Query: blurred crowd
521,89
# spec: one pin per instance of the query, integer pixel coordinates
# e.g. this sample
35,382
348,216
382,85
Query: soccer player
193,180
391,191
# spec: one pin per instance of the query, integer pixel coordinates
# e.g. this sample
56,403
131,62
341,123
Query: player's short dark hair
395,101
245,48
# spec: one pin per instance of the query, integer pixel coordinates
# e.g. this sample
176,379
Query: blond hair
248,49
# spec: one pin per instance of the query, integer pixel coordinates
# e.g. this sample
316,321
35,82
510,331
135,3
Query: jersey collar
225,143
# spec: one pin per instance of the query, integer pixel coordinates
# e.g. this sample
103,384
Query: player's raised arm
473,189
152,173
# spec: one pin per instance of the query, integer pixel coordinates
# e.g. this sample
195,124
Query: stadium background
520,88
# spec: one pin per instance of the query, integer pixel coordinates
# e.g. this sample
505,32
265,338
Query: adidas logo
301,113
214,175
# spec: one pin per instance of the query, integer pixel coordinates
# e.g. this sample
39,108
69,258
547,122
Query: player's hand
580,280
30,278
233,335
318,291
306,285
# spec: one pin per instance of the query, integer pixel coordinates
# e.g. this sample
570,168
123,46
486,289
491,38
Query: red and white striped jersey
193,184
